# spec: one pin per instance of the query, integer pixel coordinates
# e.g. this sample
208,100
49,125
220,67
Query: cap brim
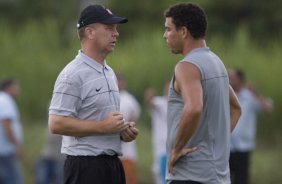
114,20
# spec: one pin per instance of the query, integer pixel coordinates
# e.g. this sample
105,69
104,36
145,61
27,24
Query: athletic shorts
102,169
184,182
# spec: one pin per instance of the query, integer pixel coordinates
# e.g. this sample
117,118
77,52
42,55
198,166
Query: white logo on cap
109,11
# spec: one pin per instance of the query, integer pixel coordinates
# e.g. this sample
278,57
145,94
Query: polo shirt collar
91,62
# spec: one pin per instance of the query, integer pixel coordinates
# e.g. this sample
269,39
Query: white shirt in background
130,109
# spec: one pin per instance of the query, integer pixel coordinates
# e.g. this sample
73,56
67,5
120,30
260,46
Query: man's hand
19,152
114,123
130,133
174,156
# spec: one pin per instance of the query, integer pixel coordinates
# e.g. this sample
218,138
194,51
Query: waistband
91,156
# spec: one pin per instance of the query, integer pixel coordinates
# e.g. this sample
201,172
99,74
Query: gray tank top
209,164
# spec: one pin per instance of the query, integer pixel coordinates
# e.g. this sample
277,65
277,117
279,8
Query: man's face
105,37
14,90
234,80
173,37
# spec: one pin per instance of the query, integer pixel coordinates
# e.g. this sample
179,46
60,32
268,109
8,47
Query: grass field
34,139
265,168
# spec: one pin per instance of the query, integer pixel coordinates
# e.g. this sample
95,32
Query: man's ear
185,32
89,33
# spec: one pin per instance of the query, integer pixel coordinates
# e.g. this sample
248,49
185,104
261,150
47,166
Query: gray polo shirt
87,90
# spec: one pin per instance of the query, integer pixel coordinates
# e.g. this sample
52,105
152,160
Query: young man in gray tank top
202,107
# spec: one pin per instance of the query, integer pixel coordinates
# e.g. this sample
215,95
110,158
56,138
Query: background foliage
38,38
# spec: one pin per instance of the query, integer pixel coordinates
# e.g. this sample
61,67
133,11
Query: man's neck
238,89
94,54
193,44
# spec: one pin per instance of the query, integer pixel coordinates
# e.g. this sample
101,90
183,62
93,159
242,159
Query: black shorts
239,167
102,169
184,182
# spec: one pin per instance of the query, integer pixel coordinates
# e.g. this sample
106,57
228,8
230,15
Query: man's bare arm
266,105
10,135
235,108
65,125
188,82
188,85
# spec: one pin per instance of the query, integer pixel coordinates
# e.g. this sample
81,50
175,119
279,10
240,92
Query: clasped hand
130,133
115,123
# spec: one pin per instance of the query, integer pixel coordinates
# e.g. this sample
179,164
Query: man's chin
175,52
110,50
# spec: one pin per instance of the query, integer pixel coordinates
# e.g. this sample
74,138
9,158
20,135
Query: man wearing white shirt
130,109
158,111
244,135
10,133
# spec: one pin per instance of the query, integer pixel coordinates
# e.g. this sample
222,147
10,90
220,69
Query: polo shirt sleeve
66,99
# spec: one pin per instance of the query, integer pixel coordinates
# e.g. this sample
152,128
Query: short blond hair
81,33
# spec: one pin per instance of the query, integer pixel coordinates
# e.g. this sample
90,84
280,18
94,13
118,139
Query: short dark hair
5,83
189,15
240,74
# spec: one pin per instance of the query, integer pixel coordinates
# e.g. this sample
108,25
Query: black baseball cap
98,14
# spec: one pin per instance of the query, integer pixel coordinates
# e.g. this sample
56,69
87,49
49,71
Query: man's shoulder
72,66
246,92
128,97
5,98
160,100
72,70
7,104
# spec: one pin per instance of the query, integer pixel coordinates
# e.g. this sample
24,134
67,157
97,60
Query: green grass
144,150
33,142
34,139
265,167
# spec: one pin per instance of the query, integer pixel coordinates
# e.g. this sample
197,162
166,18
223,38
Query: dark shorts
184,182
239,167
101,169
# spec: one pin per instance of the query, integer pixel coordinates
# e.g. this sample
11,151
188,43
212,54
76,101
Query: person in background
50,164
157,106
130,109
244,135
202,107
11,135
85,106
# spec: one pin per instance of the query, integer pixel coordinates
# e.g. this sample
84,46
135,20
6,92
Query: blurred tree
17,12
8,9
262,19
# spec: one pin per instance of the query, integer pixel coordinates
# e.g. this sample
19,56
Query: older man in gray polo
85,105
